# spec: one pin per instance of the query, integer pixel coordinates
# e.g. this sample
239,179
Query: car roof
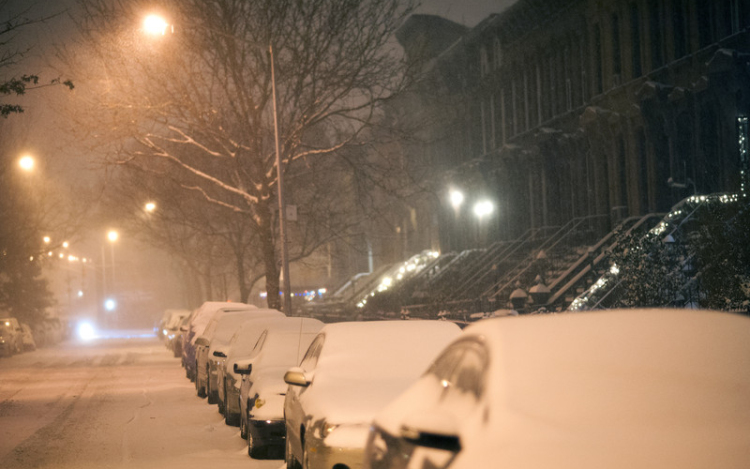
677,378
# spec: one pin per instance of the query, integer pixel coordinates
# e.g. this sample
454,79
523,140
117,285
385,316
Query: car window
469,375
442,367
310,360
259,343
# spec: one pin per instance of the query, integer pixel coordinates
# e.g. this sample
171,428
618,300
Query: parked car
27,338
239,348
209,351
172,326
262,391
175,339
197,324
7,343
348,373
169,323
13,333
616,389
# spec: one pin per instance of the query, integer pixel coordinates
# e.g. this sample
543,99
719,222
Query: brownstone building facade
586,108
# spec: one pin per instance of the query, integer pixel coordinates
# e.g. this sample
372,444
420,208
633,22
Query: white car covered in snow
349,372
621,389
262,392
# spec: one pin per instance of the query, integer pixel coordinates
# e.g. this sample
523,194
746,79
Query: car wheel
223,402
209,393
255,451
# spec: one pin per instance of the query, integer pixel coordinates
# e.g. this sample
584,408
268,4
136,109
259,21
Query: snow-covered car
239,348
210,347
27,338
175,339
349,372
170,323
12,333
7,343
199,319
262,391
615,389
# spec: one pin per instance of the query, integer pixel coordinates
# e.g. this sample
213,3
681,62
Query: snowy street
112,403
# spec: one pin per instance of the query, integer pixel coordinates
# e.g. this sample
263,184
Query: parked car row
618,389
15,337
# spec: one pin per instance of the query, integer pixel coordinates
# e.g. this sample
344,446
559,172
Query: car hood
352,402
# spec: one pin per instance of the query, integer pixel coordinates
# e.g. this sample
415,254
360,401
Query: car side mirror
296,377
202,341
243,368
437,430
220,354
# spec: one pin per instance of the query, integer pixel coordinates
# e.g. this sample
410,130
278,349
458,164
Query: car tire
209,392
255,451
243,427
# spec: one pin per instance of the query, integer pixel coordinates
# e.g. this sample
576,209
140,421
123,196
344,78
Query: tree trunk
268,249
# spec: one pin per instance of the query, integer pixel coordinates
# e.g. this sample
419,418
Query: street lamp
483,208
155,25
112,236
26,163
456,198
150,207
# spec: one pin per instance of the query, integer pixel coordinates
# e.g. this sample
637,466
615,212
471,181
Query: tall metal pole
282,205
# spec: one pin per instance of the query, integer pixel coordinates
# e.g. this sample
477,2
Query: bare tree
198,100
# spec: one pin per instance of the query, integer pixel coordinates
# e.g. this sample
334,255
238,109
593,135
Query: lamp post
282,203
482,209
112,236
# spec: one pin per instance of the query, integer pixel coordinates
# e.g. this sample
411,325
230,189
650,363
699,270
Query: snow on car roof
244,339
287,342
227,324
207,310
376,346
364,365
671,383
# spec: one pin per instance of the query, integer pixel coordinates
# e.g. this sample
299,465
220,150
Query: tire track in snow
32,452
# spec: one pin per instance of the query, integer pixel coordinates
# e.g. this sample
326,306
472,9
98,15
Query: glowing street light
113,235
26,163
47,239
155,25
150,207
456,198
65,244
483,208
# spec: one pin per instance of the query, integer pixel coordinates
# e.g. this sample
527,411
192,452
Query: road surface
118,402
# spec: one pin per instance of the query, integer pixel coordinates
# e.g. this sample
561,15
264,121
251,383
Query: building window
679,25
598,63
635,39
497,53
640,143
616,47
503,129
656,28
704,17
724,15
484,65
